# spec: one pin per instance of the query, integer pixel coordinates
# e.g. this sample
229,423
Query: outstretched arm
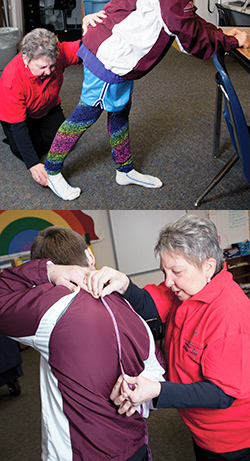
129,392
195,35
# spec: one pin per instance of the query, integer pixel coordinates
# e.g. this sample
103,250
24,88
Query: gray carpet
20,439
171,130
20,416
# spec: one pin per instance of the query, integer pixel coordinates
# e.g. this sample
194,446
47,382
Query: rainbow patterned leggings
77,123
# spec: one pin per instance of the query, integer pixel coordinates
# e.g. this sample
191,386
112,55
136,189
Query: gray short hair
39,43
196,239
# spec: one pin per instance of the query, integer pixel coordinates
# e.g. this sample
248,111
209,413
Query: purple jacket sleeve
195,35
25,295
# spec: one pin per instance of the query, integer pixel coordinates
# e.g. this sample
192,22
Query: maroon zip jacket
80,363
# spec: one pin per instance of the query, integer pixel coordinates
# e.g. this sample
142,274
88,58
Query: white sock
134,177
58,184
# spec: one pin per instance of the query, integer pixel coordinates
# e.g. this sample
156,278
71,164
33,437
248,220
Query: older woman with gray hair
30,109
207,339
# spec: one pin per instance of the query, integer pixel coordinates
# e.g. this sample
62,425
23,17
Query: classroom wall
203,10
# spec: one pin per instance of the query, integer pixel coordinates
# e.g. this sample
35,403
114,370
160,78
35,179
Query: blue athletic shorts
111,97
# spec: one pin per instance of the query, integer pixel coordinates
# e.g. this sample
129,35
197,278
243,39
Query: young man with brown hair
85,344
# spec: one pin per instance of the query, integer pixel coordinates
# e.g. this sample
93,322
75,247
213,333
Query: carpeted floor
171,131
20,439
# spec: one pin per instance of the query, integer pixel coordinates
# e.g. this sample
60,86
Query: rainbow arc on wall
18,228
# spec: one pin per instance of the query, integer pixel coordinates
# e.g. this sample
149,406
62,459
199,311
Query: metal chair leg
218,178
217,122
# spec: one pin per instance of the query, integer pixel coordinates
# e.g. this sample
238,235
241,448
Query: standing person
84,345
125,46
207,339
30,107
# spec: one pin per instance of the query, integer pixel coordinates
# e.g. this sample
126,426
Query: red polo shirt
208,338
23,94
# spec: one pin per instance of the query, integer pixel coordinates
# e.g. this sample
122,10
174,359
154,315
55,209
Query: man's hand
68,276
241,36
129,392
91,20
105,281
39,174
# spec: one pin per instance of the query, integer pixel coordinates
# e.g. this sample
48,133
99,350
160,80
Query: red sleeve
196,36
68,52
13,105
162,297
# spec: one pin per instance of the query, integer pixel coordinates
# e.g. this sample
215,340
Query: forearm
195,395
141,301
39,272
195,35
24,144
129,392
213,39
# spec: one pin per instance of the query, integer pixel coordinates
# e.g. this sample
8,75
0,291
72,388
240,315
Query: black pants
42,131
206,455
10,360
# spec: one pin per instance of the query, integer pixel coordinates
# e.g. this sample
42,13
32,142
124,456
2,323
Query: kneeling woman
30,110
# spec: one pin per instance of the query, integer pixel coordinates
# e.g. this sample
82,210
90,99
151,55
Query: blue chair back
223,16
234,115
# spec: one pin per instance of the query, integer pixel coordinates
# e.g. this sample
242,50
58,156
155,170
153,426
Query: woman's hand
105,281
39,174
98,283
241,36
116,396
91,20
129,392
67,276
